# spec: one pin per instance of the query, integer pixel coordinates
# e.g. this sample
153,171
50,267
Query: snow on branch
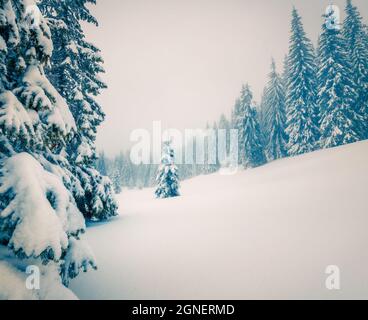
38,209
38,91
13,116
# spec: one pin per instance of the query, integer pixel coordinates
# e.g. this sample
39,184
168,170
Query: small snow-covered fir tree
302,113
40,223
116,176
167,177
75,68
337,98
357,48
275,117
245,119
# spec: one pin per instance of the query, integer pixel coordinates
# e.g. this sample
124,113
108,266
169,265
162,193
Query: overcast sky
183,61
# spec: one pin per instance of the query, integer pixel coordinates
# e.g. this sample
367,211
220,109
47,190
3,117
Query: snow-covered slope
263,233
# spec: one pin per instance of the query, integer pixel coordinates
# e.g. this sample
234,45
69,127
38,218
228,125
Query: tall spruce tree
357,48
39,221
302,112
245,119
167,176
275,117
75,68
337,98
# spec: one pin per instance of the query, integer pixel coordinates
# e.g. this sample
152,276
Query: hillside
260,234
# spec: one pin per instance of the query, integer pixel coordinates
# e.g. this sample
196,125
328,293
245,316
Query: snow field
266,233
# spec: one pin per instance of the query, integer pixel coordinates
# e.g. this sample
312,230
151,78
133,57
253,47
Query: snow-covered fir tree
75,68
302,112
40,223
116,178
167,176
337,98
275,117
245,119
357,48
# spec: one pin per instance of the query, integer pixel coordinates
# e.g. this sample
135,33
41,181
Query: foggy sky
183,61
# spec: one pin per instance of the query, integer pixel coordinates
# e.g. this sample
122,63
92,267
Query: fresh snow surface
266,233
